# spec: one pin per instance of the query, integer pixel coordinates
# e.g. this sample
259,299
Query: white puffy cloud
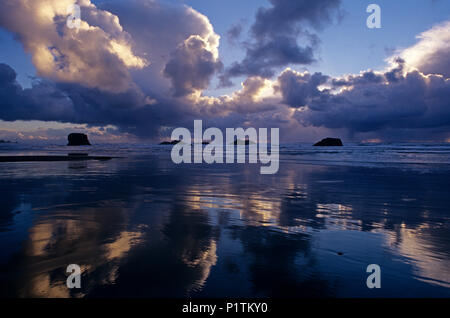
431,54
97,54
192,65
162,32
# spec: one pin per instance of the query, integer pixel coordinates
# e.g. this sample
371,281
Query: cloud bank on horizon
142,67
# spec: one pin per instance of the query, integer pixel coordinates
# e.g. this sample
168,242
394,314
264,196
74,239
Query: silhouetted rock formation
204,143
329,142
78,140
170,143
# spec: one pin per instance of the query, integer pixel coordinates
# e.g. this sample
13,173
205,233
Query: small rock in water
78,140
329,142
170,143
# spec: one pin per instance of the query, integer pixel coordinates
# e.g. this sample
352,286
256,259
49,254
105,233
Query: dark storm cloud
131,111
297,89
235,32
284,16
371,101
275,35
70,103
261,59
43,101
362,79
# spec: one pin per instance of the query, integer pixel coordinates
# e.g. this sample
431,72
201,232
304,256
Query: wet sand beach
141,226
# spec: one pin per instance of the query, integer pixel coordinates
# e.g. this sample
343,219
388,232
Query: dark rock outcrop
78,140
329,142
170,143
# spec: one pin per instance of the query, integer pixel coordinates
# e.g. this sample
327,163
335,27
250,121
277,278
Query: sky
135,70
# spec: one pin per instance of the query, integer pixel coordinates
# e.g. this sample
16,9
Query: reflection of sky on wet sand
144,227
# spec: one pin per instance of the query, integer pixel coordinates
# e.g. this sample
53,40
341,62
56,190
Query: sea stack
170,143
78,140
329,142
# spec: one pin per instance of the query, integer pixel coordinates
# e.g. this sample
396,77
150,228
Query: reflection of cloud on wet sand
203,261
429,265
269,229
42,286
100,240
261,205
117,250
74,238
122,244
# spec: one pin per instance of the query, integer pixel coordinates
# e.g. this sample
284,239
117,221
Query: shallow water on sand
142,226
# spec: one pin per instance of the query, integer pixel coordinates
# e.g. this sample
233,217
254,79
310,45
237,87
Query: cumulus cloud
408,100
44,101
98,54
191,66
298,89
131,111
256,95
275,35
235,32
160,31
371,101
431,53
95,77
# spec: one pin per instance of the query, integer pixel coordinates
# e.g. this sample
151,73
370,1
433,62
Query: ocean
141,226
